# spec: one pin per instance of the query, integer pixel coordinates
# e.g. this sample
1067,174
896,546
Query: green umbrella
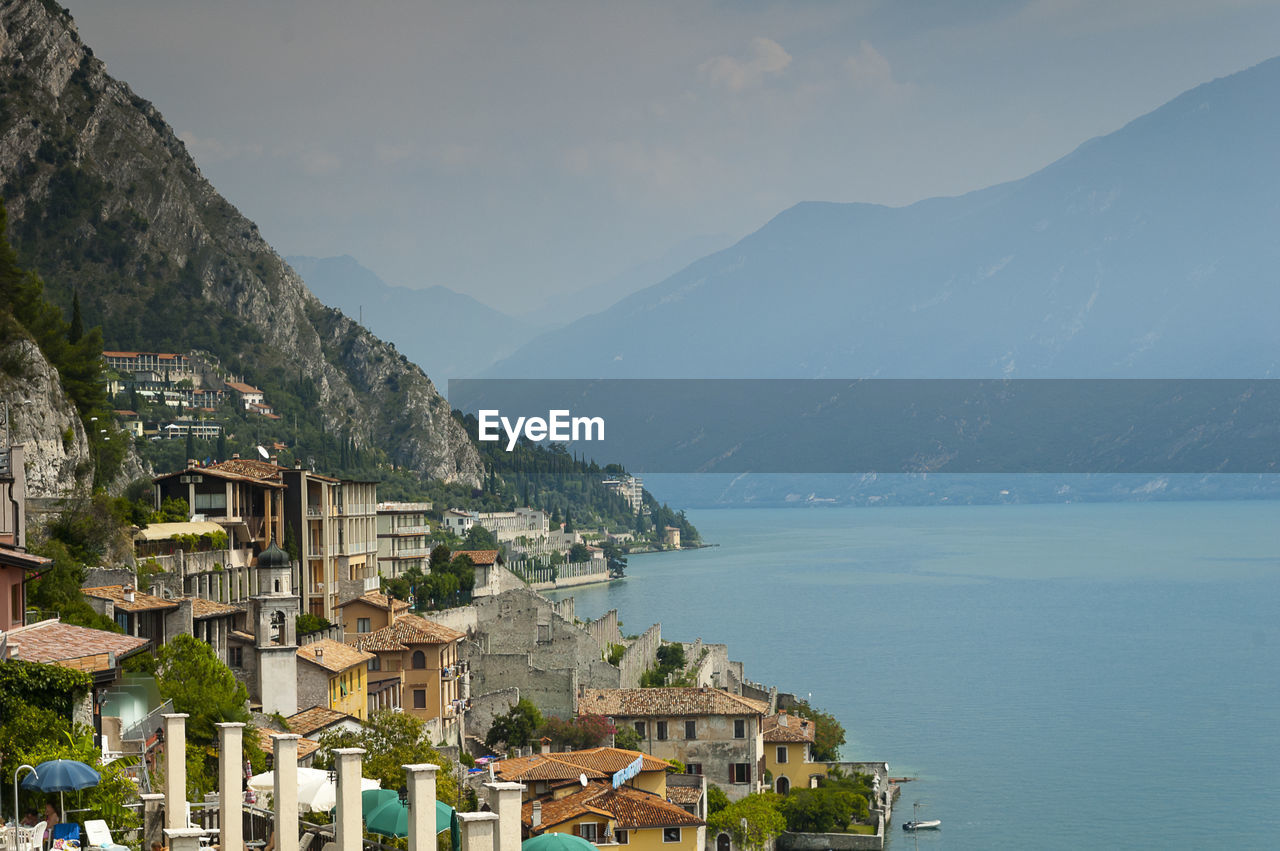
455,832
390,817
557,842
371,799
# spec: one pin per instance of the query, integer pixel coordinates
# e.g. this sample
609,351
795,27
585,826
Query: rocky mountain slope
104,200
1150,252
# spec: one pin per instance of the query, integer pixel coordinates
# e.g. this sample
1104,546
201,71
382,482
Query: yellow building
626,816
788,743
369,612
334,675
424,654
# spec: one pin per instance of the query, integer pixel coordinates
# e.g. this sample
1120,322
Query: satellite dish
265,455
582,778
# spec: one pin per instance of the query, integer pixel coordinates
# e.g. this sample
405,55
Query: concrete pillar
183,838
175,770
421,783
504,799
231,784
285,795
152,819
478,830
349,823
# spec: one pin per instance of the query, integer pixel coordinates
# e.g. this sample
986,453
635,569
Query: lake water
1056,676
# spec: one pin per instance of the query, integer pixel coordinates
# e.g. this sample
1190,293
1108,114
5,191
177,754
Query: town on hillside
322,618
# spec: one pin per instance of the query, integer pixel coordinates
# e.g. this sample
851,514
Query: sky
515,149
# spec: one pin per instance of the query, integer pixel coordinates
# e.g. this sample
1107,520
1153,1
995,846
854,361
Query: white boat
918,823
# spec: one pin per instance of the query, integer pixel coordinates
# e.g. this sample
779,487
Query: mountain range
1149,252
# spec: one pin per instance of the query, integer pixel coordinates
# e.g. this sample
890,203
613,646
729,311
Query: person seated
30,819
50,820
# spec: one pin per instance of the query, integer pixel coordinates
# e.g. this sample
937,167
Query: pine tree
76,331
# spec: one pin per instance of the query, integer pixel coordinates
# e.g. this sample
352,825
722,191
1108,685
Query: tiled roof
377,600
306,747
242,635
237,470
478,557
787,728
631,808
643,702
141,602
14,557
332,655
202,608
408,629
315,719
71,646
609,760
241,387
682,795
526,769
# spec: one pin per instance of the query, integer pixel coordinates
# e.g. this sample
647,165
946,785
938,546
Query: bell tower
275,612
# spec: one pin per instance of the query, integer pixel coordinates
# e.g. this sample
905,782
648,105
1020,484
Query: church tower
274,611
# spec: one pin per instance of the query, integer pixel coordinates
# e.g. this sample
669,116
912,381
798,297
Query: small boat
918,823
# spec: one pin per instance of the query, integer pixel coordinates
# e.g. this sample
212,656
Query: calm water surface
1056,676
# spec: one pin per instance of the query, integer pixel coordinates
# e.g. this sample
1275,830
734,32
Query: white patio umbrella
316,792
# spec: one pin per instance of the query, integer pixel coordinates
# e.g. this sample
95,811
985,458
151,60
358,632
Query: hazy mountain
447,333
559,310
104,200
1148,252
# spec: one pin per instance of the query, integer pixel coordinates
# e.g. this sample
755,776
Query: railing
411,552
142,730
410,530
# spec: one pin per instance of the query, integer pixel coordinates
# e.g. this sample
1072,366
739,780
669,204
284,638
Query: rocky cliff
105,200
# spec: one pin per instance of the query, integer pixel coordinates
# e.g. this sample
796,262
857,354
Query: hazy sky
515,148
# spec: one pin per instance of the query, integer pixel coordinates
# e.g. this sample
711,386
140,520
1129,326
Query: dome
273,556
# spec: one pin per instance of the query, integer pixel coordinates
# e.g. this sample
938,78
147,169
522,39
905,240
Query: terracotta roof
71,646
141,602
315,719
526,769
202,608
14,557
787,728
306,747
641,702
479,557
332,655
236,470
609,760
241,387
380,601
242,635
682,795
408,629
631,808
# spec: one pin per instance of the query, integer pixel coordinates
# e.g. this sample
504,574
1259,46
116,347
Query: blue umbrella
61,775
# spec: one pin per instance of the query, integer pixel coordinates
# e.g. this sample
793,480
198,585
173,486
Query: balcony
412,552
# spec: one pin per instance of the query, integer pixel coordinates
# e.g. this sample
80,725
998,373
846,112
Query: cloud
870,71
736,75
319,163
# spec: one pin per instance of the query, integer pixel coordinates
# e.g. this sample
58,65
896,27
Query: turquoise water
1056,676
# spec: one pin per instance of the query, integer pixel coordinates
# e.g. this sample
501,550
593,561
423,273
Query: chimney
319,652
129,595
235,456
537,814
275,460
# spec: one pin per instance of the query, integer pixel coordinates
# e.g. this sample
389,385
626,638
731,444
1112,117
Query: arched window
784,785
277,627
722,842
419,659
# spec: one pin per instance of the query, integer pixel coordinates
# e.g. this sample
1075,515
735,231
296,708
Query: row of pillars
487,831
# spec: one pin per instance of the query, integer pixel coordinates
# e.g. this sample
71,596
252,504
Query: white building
402,537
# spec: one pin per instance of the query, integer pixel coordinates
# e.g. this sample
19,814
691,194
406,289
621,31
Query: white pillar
504,799
286,790
175,770
230,784
183,838
349,824
421,782
478,830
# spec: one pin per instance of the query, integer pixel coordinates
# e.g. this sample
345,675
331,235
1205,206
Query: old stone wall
553,692
641,654
96,577
605,630
484,709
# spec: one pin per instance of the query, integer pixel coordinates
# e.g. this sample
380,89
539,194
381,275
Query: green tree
823,810
751,822
479,538
828,733
627,738
579,553
717,800
517,727
189,673
391,741
580,732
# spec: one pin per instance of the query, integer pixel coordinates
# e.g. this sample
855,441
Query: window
739,728
693,768
419,698
237,657
375,664
622,837
671,834
782,754
640,729
691,729
662,731
362,625
15,605
211,503
419,659
740,772
587,830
